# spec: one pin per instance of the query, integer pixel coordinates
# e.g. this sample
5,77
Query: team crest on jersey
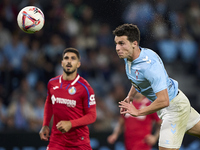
136,74
72,90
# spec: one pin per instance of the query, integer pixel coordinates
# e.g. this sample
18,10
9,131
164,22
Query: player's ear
79,64
134,43
62,62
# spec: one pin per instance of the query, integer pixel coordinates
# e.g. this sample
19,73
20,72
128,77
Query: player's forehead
70,54
121,39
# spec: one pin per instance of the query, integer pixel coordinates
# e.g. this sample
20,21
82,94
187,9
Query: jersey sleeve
89,109
48,112
156,76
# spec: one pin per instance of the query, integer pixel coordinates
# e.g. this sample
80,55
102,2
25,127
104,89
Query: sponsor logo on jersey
136,86
55,87
68,102
92,100
72,90
147,59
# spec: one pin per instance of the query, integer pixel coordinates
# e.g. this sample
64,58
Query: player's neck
70,76
135,55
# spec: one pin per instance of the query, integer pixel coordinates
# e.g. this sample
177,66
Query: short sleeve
155,74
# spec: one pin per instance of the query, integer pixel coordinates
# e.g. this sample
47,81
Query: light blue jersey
148,75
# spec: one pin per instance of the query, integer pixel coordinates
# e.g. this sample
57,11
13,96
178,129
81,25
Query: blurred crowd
28,61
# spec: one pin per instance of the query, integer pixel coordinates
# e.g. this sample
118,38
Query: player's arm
157,131
161,101
153,138
90,113
89,117
129,97
48,113
117,131
155,75
131,94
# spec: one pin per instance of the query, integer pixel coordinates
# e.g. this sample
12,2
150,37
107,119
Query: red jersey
71,101
136,128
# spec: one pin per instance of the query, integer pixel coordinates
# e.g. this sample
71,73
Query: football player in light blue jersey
146,71
149,76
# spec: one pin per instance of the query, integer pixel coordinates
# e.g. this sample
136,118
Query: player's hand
128,108
127,100
64,126
44,133
150,139
112,138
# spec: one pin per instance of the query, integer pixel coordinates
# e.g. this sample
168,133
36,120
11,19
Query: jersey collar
73,81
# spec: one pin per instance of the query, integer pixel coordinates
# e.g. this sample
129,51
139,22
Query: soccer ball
30,19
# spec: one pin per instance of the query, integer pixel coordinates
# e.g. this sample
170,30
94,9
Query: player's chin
121,56
68,70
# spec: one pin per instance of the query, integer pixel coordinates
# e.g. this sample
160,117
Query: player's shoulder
85,87
144,61
83,81
54,79
148,52
149,57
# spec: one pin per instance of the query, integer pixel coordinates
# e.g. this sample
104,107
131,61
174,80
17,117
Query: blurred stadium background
28,61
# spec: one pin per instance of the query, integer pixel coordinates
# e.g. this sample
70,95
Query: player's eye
66,57
74,58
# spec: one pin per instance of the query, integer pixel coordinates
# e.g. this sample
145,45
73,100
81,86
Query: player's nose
117,47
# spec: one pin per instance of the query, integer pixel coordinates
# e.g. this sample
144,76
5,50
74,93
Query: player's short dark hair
131,31
73,50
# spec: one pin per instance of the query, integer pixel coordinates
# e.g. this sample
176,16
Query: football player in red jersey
71,102
137,130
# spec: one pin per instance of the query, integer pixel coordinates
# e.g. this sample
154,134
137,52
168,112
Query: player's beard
69,72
